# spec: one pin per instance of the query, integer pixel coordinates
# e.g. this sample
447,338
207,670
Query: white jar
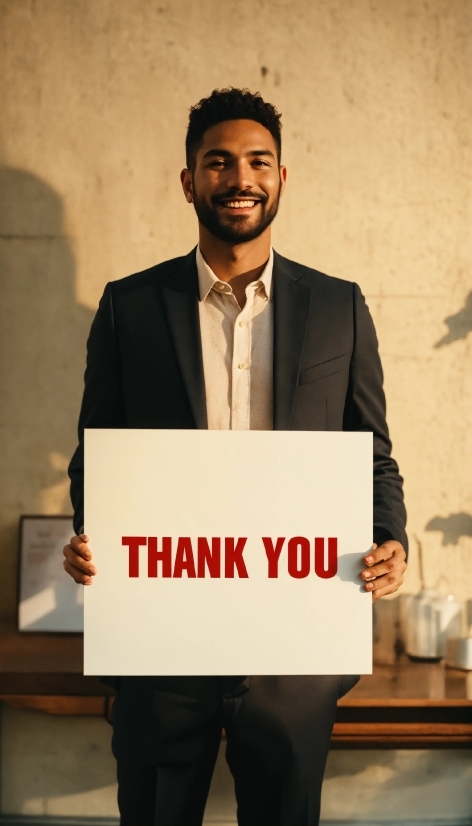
432,619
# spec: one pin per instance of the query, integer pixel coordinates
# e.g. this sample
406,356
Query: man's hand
386,566
78,560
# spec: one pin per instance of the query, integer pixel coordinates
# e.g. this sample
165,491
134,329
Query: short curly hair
230,104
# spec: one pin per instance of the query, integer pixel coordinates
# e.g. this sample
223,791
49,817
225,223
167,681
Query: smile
239,204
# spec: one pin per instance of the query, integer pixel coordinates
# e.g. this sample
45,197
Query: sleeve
102,402
366,410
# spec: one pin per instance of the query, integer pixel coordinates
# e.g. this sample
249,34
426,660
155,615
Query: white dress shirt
237,348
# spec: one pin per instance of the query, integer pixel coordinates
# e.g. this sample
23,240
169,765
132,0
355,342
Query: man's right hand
78,560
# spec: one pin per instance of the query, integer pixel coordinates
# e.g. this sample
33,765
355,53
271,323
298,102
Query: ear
283,178
186,181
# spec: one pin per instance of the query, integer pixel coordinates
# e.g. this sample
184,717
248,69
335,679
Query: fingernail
369,560
369,586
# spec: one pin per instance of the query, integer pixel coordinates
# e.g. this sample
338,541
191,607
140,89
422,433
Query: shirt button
220,287
242,366
242,324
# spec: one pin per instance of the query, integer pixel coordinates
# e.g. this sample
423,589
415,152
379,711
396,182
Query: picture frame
48,598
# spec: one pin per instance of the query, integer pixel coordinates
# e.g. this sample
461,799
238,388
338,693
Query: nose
240,176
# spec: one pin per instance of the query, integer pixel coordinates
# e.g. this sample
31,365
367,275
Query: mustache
227,196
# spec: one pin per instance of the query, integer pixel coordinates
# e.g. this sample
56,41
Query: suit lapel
181,301
291,309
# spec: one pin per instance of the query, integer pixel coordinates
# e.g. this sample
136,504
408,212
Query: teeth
240,204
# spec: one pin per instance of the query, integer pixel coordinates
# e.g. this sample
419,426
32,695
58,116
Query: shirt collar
207,278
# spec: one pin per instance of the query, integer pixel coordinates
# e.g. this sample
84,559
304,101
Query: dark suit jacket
144,367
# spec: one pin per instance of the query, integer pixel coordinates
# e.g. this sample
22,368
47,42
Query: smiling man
234,336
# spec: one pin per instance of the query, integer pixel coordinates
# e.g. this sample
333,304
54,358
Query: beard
232,228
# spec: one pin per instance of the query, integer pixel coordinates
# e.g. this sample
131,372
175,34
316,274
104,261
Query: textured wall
62,766
377,112
376,108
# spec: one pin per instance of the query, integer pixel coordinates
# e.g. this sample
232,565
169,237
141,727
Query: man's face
237,182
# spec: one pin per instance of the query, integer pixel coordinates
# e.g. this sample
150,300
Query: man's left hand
386,565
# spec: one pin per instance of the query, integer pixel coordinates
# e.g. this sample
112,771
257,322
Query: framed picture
48,598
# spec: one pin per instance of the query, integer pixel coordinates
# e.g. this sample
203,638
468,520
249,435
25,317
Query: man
233,336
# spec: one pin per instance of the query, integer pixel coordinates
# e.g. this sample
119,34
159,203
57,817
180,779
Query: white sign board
228,552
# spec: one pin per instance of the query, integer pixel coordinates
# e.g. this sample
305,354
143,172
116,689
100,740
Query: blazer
145,370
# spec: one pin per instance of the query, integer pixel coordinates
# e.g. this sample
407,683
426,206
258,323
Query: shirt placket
241,367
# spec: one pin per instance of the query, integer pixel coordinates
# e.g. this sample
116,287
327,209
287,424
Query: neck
230,261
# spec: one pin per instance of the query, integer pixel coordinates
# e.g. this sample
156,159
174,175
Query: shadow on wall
43,336
460,324
453,527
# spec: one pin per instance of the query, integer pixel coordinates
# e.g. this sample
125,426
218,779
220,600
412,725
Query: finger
384,551
378,554
78,576
80,546
78,562
390,565
391,581
390,589
374,546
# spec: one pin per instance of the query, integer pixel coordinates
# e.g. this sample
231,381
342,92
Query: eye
217,164
259,162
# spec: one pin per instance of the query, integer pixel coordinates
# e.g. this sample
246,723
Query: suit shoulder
316,279
149,277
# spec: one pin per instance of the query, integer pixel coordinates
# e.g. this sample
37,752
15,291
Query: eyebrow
225,153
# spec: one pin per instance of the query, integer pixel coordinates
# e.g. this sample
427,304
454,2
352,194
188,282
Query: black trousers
167,730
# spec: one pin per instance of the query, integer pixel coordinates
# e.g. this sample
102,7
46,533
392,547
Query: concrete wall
376,106
376,111
56,766
63,767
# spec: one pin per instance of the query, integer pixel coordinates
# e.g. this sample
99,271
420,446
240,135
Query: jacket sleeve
366,410
102,402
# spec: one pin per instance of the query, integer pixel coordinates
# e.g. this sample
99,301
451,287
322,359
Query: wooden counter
406,705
